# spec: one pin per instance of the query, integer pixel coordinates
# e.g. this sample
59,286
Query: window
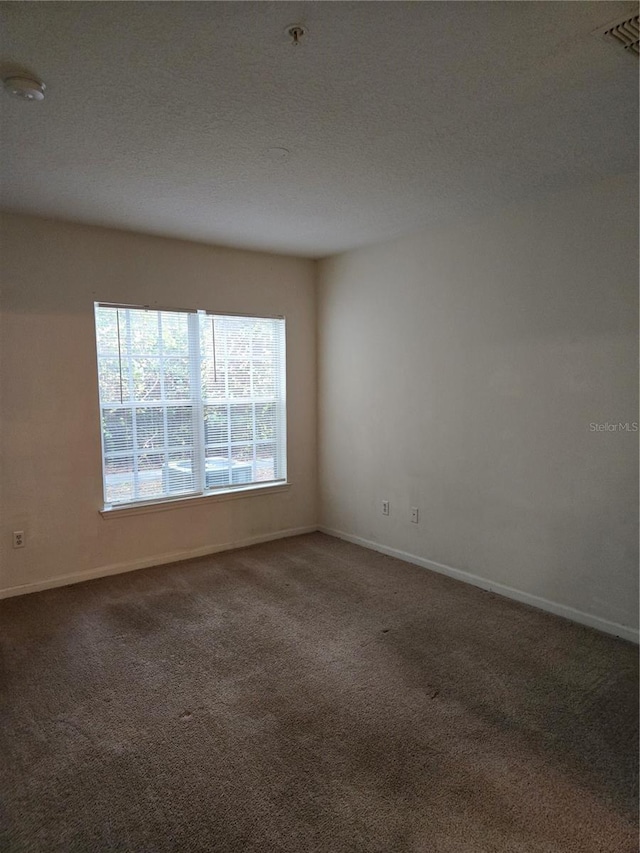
191,402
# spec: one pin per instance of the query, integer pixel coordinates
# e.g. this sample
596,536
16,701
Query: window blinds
190,402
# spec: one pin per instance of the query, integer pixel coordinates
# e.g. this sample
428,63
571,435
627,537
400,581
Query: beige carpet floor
309,696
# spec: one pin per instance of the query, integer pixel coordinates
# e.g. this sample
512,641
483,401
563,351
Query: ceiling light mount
296,33
24,86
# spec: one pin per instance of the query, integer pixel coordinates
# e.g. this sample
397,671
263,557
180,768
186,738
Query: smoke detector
625,33
25,87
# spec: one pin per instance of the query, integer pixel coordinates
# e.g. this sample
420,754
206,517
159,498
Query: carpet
310,696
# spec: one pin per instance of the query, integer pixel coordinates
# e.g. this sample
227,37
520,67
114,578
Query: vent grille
625,33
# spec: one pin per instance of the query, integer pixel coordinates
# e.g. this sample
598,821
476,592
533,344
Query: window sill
181,503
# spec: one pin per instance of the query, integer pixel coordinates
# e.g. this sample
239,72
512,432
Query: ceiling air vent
626,34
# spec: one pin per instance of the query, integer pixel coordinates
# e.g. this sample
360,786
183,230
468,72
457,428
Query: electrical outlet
18,538
414,514
385,507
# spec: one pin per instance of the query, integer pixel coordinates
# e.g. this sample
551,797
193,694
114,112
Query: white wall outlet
385,507
414,514
18,538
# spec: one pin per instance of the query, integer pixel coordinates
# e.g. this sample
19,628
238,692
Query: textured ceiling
159,116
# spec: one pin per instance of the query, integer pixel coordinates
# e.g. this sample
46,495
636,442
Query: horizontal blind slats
182,412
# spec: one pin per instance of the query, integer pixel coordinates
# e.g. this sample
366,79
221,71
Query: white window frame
201,493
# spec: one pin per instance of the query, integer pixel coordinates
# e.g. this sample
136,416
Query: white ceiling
158,116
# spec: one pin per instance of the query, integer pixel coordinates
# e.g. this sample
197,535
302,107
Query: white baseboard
147,562
563,610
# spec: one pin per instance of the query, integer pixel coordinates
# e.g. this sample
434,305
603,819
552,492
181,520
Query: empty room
319,427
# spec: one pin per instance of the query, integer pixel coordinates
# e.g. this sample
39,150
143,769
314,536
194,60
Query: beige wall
50,474
460,370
